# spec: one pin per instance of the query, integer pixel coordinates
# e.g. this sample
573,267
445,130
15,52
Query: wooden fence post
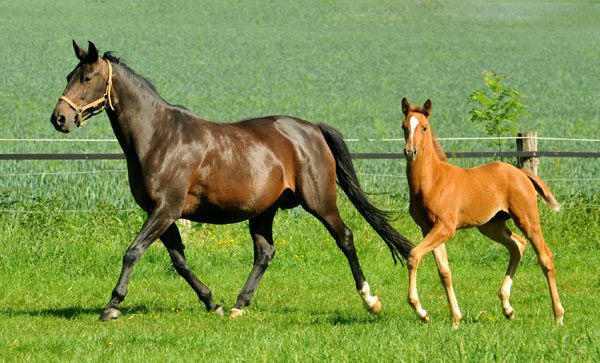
527,141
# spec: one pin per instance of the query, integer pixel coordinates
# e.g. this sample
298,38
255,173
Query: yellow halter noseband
80,110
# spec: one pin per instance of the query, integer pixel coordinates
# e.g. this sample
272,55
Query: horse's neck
134,118
422,172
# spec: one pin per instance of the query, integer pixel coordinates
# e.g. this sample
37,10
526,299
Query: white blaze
414,122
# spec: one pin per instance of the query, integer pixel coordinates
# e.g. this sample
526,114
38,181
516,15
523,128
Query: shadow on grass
332,317
76,312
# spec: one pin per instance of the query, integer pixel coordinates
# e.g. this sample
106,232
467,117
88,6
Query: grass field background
64,225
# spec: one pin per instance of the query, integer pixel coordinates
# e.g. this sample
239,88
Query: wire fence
486,138
371,178
472,154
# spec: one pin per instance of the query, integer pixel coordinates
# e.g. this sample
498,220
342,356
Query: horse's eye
424,128
87,79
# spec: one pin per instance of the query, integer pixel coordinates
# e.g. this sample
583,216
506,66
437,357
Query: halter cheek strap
92,105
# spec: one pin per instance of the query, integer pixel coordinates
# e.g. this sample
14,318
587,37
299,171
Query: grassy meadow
64,225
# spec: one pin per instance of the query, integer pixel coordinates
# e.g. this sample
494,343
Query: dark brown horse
181,166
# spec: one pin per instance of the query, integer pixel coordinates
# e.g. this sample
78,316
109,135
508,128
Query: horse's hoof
510,315
109,314
455,325
376,308
425,318
236,313
219,311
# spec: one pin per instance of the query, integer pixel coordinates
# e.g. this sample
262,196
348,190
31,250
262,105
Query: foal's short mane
436,144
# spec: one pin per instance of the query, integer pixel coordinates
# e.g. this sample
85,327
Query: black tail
348,180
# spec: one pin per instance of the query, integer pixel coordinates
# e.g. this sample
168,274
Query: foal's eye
87,79
424,128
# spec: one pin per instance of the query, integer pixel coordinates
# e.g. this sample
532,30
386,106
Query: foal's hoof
510,315
376,308
424,316
109,314
236,313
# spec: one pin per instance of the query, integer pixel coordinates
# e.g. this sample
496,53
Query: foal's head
86,91
416,128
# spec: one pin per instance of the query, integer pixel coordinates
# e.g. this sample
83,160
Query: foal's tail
542,189
347,179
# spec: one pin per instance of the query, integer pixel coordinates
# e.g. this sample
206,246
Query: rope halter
92,105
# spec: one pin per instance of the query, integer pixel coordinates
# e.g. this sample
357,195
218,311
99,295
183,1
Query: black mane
116,60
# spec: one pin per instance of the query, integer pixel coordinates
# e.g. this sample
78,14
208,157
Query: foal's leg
441,259
157,223
261,229
172,241
439,234
528,221
497,231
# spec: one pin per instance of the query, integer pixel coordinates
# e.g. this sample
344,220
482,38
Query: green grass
58,271
63,230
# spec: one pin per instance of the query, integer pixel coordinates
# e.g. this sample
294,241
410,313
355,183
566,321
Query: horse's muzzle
61,123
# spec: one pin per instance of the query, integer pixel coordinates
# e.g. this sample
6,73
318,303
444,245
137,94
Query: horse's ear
427,108
405,106
92,54
79,53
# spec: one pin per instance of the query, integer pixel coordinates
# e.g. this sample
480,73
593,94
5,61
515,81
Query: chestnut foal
444,198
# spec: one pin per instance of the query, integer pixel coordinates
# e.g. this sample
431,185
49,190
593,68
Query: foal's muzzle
410,153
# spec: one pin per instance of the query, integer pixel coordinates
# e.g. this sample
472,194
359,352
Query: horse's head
87,91
415,126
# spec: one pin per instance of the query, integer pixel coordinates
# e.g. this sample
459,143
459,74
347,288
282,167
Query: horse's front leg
155,225
439,234
172,240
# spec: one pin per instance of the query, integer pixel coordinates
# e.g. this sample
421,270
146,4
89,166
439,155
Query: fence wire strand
567,205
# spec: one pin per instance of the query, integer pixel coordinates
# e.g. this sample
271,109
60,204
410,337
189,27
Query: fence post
527,141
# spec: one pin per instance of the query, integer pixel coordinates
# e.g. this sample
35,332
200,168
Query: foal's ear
427,108
79,53
405,106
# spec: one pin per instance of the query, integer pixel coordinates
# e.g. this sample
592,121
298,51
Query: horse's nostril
60,120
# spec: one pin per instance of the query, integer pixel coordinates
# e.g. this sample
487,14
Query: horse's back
247,166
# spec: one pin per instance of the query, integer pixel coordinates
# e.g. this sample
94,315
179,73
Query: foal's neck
421,172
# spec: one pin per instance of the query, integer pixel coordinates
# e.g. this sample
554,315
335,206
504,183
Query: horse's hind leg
261,229
329,215
528,221
172,241
441,259
497,231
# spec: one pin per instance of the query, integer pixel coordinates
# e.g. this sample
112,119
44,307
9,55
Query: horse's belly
218,216
224,209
